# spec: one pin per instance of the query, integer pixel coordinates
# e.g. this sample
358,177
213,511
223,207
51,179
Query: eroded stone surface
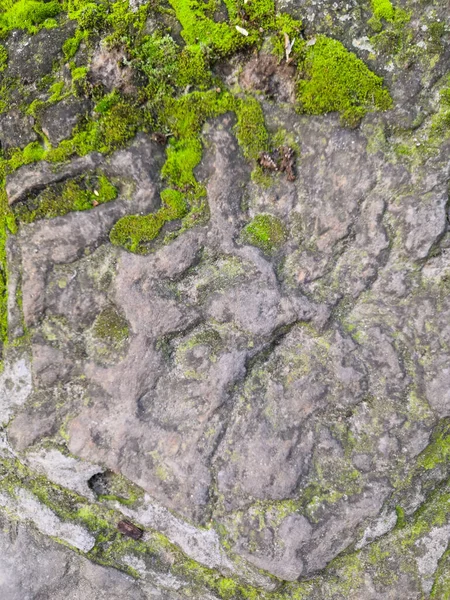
284,414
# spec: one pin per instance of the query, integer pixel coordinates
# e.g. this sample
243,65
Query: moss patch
31,15
266,232
383,9
110,327
82,193
336,80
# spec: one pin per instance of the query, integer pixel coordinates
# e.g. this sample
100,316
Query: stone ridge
246,360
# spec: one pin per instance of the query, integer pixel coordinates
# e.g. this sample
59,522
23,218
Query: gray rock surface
276,422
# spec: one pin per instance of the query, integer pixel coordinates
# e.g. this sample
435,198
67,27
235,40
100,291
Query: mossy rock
266,232
107,338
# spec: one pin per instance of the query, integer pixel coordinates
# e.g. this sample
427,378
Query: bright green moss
90,15
199,26
334,79
28,14
175,204
250,129
107,102
266,232
134,232
157,57
383,9
56,93
34,152
184,117
3,58
183,155
78,73
71,45
193,68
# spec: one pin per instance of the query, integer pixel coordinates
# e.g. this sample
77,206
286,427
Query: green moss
438,450
90,517
109,131
56,91
441,586
376,554
401,519
33,152
134,232
90,15
7,224
3,58
28,14
250,129
197,25
193,68
286,25
71,45
383,9
334,79
111,327
78,73
175,204
266,232
83,193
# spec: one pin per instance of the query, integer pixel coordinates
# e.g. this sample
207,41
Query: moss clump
440,127
31,153
83,193
438,451
266,232
28,14
198,25
383,9
71,45
175,204
134,232
110,327
250,129
3,58
334,79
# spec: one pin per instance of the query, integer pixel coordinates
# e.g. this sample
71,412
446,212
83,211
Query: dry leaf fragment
288,45
242,30
127,528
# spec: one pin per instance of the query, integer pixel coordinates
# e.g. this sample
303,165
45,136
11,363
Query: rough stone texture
58,121
281,418
33,566
16,130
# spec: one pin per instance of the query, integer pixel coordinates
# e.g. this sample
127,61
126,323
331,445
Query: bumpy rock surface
275,417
